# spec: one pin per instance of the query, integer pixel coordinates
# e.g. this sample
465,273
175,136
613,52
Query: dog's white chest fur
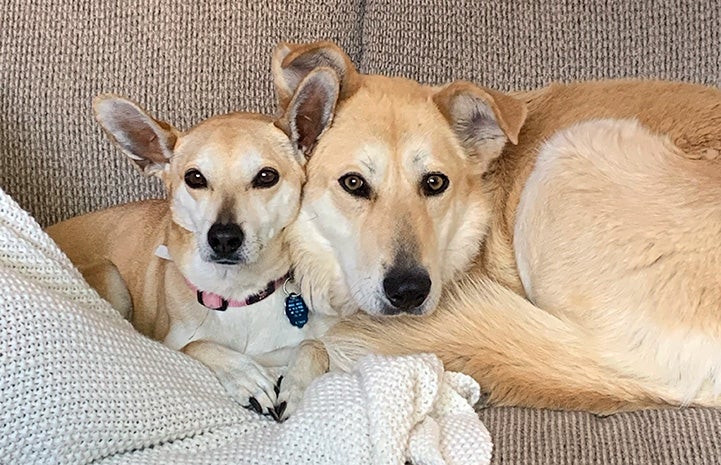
253,329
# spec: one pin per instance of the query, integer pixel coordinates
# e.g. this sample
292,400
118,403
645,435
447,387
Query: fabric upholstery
514,45
659,436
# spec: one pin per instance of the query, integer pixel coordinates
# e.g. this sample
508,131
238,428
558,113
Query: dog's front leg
245,380
311,361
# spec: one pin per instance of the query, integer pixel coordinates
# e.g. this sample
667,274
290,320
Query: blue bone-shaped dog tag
296,310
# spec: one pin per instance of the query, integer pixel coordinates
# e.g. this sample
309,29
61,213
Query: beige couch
186,60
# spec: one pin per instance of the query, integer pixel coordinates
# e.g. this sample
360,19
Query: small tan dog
205,271
569,236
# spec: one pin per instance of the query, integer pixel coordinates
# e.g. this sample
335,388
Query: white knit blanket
79,385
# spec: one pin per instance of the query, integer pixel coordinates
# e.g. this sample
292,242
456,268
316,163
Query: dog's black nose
406,289
225,239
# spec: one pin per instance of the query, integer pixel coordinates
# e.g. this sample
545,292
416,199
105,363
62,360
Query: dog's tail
519,354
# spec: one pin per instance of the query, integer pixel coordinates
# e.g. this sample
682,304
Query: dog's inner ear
310,111
149,143
292,63
482,119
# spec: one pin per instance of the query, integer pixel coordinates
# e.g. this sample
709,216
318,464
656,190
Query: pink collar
220,303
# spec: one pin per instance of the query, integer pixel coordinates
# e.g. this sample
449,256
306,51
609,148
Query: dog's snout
225,239
407,289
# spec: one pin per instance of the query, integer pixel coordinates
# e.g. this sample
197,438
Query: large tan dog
569,237
205,270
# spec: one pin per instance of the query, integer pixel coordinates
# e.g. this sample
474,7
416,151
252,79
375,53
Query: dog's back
95,243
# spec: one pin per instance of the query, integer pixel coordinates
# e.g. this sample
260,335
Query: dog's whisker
313,218
359,283
357,288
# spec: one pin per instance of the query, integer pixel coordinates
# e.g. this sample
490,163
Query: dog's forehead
379,127
413,154
234,143
236,158
392,105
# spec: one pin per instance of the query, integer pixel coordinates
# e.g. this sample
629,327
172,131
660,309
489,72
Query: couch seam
361,34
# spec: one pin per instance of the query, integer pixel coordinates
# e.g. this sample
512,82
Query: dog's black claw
277,385
255,405
280,409
274,414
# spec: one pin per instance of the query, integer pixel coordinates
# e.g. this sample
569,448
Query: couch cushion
182,60
660,436
529,43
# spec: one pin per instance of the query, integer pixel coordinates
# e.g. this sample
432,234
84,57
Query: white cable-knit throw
78,384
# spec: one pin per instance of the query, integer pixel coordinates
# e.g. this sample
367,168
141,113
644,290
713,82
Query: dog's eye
267,177
434,184
355,185
195,180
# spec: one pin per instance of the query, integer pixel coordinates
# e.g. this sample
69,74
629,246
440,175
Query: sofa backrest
185,61
522,44
182,60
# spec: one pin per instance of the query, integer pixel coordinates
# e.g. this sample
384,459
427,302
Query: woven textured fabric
78,384
514,45
182,60
659,436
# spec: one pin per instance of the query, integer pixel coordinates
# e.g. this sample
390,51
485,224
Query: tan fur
107,242
115,249
615,243
127,236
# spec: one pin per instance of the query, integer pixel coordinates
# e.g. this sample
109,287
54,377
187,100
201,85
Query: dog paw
290,394
249,384
310,361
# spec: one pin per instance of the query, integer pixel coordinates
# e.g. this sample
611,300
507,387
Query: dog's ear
293,62
146,141
483,119
310,111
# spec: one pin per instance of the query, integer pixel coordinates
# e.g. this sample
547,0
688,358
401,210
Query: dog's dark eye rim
355,185
434,183
266,177
195,179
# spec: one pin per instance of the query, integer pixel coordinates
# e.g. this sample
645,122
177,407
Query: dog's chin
384,309
242,257
235,259
225,261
